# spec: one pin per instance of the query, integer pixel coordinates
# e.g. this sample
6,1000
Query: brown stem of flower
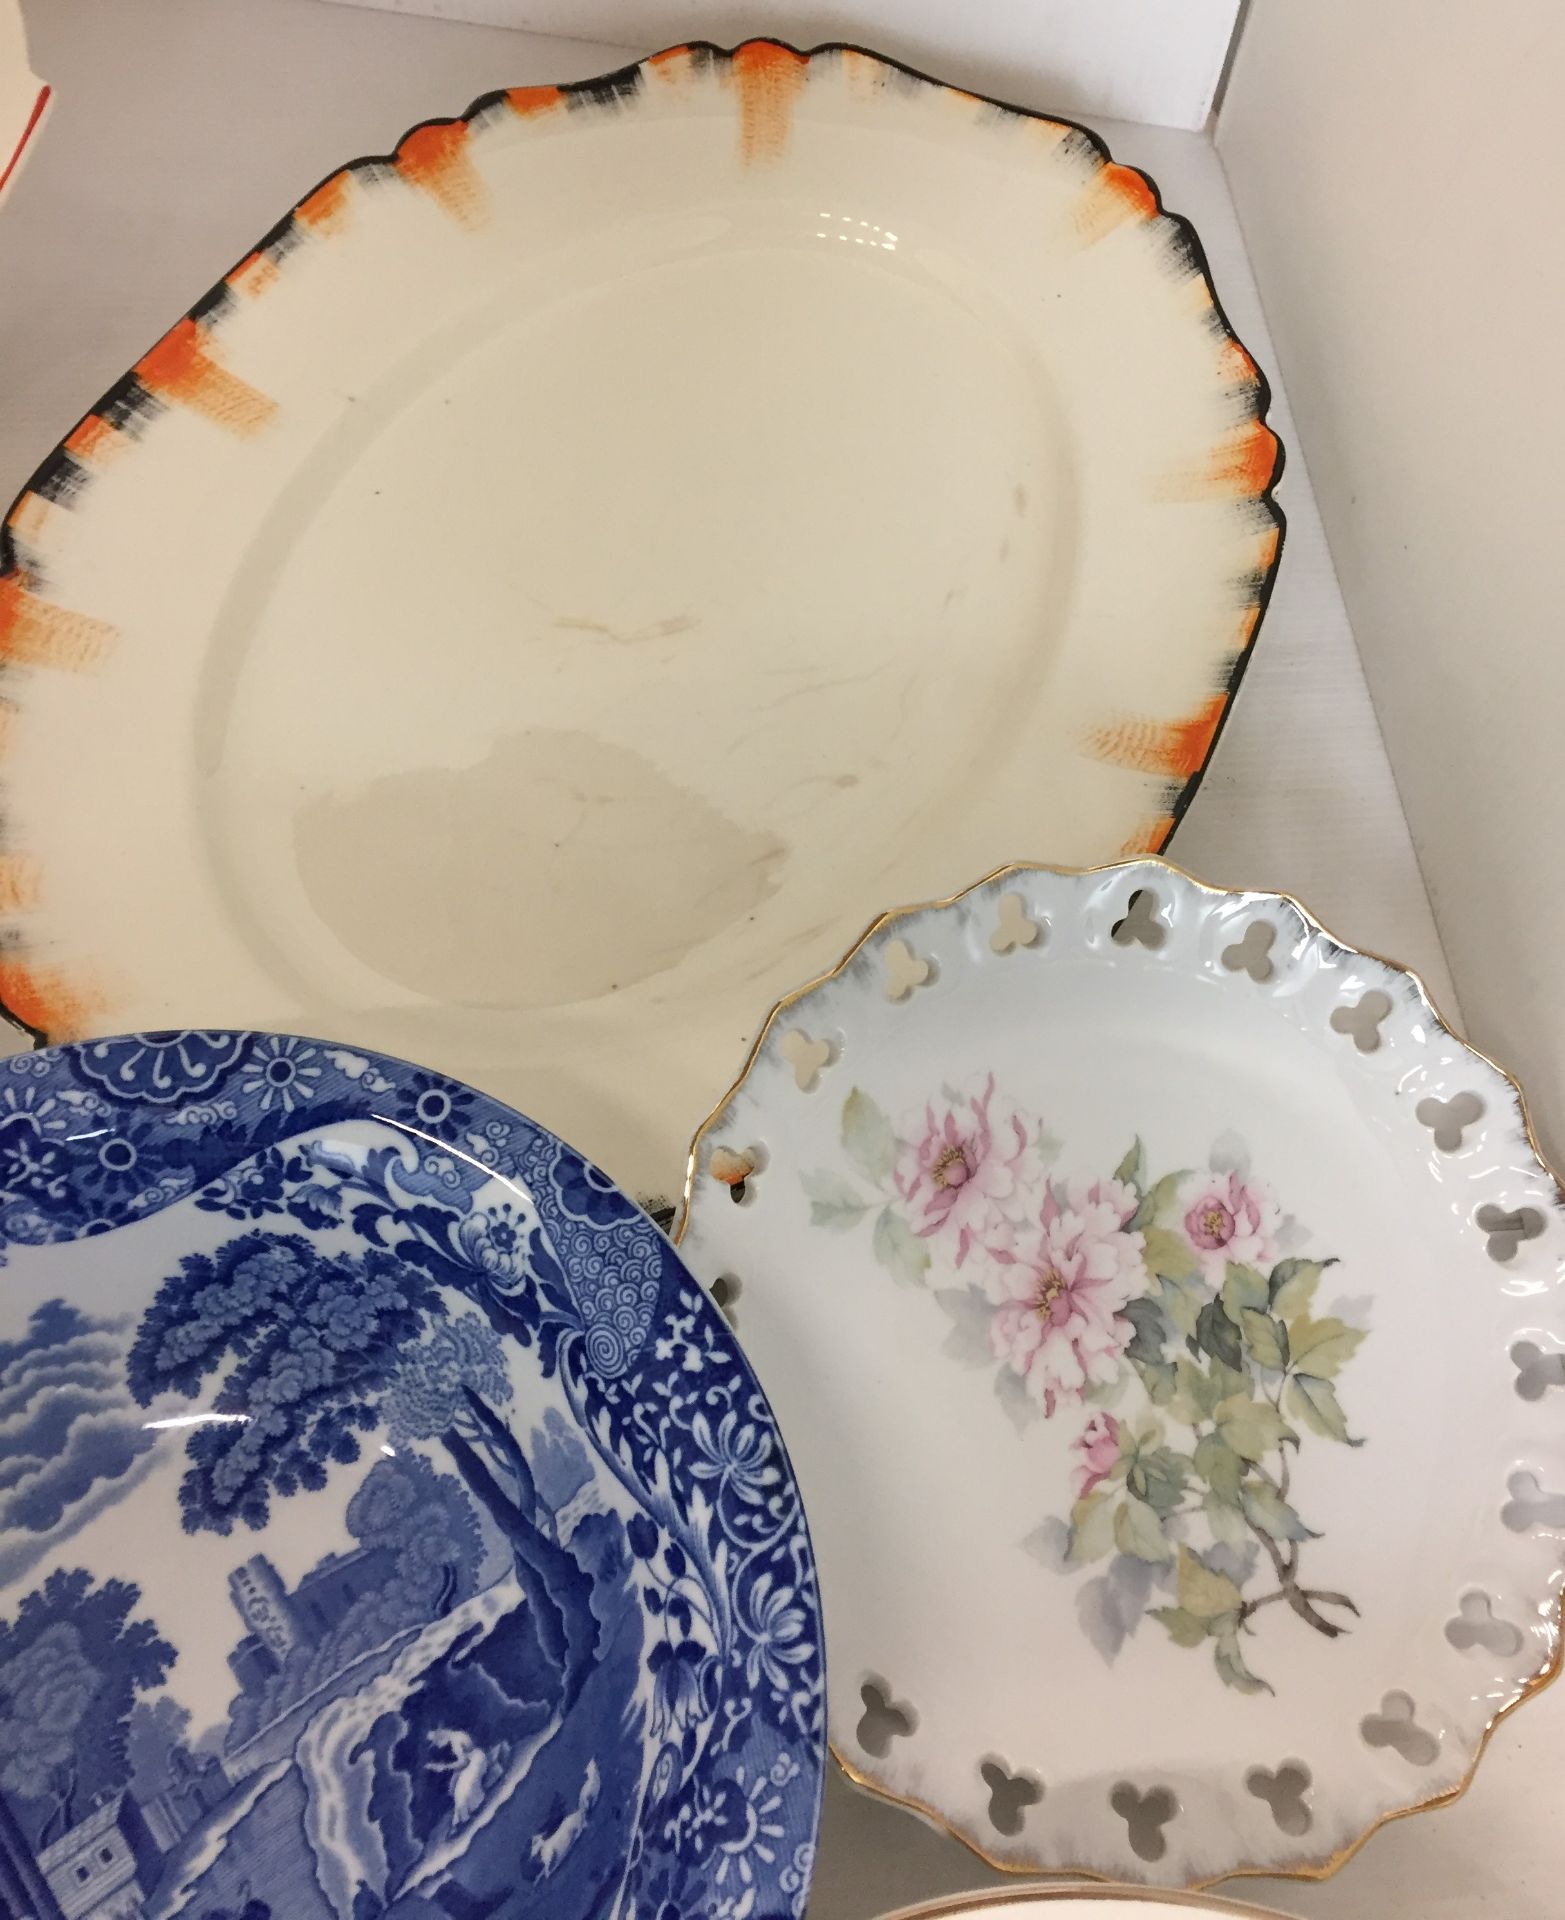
1274,1554
1301,1604
1303,1600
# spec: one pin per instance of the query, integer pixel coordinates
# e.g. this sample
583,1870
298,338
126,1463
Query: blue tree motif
71,1666
426,1521
314,1351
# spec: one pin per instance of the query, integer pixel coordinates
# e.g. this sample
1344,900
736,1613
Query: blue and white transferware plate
389,1529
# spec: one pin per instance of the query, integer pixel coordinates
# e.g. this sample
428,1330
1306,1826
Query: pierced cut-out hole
1536,1371
1010,1795
1284,1792
1475,1625
1507,1231
1145,1816
1253,954
1394,1726
884,1719
904,970
1363,1019
1015,927
1530,1506
725,1292
1446,1119
1141,925
737,1168
807,1057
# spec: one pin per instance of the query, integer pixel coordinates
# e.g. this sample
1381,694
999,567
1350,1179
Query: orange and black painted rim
185,367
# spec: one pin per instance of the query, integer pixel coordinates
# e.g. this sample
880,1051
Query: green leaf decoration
1160,1478
1253,1428
1158,1379
1103,1393
1217,1335
1139,1532
1229,1662
1181,1302
1146,1317
1010,1389
971,1313
1323,1347
1168,1255
1314,1403
867,1136
1203,1593
1203,1386
834,1202
1266,1338
1227,1381
1264,1507
1160,1199
1092,1529
1243,1287
1220,1467
1292,1286
1184,1629
1192,1399
1229,1528
899,1249
1133,1168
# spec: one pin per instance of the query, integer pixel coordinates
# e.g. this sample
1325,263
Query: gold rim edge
1533,1685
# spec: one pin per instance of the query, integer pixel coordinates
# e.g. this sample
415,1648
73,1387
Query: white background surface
19,91
183,128
1400,174
1153,60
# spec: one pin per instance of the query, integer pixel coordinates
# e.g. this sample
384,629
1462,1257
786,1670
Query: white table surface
183,128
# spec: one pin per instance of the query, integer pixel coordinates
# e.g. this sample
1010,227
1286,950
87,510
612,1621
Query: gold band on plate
1099,1885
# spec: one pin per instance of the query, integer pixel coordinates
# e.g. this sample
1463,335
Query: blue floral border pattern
96,1136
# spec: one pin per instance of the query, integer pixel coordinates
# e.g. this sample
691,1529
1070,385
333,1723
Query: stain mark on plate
558,868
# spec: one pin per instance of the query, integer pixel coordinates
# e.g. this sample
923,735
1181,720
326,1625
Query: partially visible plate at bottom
389,1528
1081,1903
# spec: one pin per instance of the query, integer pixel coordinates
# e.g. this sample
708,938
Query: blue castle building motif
553,1647
304,1649
104,1866
281,1622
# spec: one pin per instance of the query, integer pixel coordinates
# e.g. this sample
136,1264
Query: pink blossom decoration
961,1169
1098,1445
1059,1292
1228,1218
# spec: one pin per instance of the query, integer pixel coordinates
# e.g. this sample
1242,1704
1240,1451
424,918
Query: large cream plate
1163,1308
573,561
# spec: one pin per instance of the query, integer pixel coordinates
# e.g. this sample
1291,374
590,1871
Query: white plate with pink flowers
1162,1308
